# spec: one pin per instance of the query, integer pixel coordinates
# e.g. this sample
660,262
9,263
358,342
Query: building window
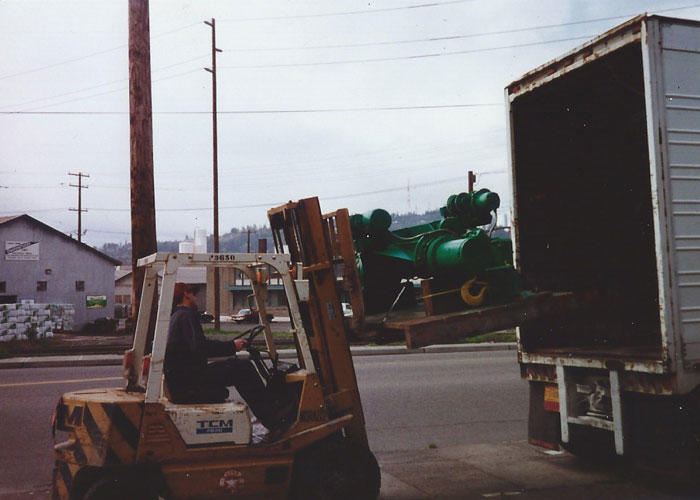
41,286
3,287
79,286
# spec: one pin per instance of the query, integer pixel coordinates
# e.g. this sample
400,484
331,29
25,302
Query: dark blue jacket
187,350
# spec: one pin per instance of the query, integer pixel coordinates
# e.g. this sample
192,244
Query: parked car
246,315
243,315
205,317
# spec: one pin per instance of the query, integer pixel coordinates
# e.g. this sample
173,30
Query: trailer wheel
336,470
117,488
591,445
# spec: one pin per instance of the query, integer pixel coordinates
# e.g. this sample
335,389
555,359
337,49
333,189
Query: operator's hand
240,344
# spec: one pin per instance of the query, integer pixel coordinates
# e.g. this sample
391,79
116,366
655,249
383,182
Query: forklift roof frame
169,263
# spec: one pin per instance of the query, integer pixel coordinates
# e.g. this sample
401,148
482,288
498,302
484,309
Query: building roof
46,227
121,271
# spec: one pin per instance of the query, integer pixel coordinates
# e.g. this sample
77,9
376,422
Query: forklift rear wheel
336,470
115,488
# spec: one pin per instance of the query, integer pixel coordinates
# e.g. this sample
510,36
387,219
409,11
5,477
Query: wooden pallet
452,327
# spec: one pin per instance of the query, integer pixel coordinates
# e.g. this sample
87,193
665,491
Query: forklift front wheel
119,488
336,470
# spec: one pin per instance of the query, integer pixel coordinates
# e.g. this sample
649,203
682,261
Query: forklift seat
202,395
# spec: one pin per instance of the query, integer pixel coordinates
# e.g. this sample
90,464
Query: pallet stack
28,319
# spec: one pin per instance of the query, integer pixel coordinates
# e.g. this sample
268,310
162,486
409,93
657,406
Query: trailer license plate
551,397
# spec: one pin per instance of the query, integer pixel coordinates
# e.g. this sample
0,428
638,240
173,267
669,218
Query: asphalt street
443,426
411,402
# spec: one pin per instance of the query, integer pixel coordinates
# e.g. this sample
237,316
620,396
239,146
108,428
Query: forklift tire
116,488
336,470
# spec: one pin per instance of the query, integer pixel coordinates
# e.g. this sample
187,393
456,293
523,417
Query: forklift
135,443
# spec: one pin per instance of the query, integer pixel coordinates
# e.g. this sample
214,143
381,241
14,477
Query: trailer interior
584,208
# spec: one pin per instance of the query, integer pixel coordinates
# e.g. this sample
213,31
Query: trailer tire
336,470
591,445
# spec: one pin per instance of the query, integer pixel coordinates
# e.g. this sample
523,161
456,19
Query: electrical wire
250,111
100,85
452,37
92,54
330,110
268,204
432,39
401,58
120,89
344,13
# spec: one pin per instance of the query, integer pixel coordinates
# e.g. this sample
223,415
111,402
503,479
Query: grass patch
502,336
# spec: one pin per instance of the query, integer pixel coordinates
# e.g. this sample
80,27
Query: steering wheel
251,333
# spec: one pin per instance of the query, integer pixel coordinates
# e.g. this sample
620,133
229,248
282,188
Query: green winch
454,251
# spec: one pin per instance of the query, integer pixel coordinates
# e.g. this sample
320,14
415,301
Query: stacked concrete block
20,321
62,315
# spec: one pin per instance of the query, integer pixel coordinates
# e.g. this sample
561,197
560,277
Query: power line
384,59
120,89
264,111
346,13
399,58
419,56
100,85
119,47
92,54
452,37
275,203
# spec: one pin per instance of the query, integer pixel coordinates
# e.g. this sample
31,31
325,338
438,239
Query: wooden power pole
143,210
215,147
80,208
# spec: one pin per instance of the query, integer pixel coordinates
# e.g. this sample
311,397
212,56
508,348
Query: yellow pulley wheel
468,297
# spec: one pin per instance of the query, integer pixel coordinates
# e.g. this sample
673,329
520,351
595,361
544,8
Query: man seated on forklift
191,379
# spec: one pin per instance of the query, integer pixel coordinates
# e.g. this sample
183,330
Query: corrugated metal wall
681,73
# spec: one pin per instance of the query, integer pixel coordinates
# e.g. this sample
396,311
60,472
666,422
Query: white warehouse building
44,265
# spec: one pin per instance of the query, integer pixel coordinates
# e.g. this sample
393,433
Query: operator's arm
215,348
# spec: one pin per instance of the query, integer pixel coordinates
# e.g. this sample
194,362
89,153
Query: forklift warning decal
214,426
232,481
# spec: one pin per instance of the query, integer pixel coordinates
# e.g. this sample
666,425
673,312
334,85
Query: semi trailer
605,173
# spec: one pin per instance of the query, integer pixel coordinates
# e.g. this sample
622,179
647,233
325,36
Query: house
44,265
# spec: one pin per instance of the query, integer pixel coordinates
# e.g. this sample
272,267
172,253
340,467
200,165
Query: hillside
236,240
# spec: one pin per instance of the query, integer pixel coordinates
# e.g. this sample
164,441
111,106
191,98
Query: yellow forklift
134,443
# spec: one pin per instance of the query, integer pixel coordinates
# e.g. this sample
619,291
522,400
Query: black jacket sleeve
216,348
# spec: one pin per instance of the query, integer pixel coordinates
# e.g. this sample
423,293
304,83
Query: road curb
116,359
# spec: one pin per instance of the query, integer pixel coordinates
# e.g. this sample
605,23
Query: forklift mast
300,226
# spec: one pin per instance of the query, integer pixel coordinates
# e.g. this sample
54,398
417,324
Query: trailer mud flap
543,424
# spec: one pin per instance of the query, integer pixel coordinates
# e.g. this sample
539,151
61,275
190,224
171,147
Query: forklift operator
191,379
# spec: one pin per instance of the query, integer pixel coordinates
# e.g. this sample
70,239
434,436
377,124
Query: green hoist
454,251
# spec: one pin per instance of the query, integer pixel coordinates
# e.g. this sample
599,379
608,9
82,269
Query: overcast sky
364,104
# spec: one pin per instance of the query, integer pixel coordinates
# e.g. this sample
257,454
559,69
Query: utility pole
143,209
471,179
215,146
80,209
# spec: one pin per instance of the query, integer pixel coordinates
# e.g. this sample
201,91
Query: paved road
417,400
443,426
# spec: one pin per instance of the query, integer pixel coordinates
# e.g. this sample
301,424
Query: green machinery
463,260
